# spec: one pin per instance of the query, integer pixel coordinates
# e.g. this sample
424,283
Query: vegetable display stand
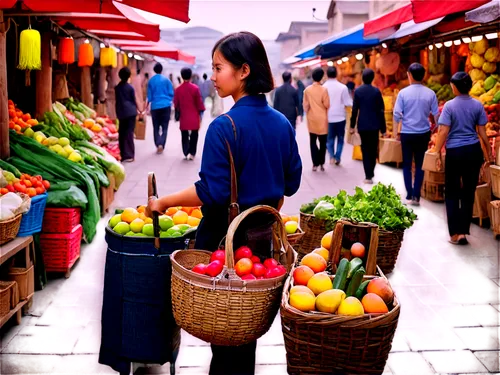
137,321
389,244
226,310
9,229
495,180
314,230
31,221
61,251
107,194
323,343
7,252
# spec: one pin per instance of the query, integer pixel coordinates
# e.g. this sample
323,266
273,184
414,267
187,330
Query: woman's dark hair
417,71
246,48
186,74
462,82
331,72
318,74
158,68
124,74
368,76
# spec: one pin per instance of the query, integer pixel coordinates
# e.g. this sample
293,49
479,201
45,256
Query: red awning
388,24
118,34
128,21
425,10
176,9
160,49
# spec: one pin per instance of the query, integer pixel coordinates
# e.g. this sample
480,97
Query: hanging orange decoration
85,55
66,52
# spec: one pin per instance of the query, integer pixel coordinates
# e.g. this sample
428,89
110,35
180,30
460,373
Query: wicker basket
495,217
314,230
389,244
495,180
321,343
7,293
296,238
9,229
227,310
25,278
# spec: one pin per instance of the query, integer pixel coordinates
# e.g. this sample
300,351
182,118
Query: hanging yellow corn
30,50
109,57
85,55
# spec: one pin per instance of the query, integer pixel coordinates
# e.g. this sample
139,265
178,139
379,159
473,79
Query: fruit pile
176,222
248,266
291,223
30,185
19,121
345,293
60,146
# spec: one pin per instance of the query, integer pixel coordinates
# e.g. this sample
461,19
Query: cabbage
323,210
491,54
477,61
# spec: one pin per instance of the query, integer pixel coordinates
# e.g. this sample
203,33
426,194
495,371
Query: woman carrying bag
260,143
464,155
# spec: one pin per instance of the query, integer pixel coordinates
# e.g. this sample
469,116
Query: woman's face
227,80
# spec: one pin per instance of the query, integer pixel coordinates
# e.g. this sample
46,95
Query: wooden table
7,251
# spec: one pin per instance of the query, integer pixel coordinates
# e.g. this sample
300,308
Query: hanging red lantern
66,52
85,55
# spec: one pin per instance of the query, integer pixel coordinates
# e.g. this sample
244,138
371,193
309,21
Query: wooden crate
108,194
495,217
482,201
435,177
432,191
495,180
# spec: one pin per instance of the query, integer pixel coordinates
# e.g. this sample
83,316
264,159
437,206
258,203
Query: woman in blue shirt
458,123
266,158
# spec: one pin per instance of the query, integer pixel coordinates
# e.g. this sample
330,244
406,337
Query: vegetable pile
381,206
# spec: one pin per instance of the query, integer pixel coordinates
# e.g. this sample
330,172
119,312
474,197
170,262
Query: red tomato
3,191
39,190
20,187
31,192
27,183
46,184
10,188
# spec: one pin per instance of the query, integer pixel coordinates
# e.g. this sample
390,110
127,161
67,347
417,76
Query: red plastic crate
60,251
60,220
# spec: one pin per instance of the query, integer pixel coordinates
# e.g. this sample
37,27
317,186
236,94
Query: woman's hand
153,206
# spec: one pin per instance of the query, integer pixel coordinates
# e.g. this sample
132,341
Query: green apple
122,228
115,220
166,222
148,230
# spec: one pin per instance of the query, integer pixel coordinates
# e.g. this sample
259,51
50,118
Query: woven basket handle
153,192
236,223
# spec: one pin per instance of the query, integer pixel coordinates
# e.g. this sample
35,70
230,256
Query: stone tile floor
450,295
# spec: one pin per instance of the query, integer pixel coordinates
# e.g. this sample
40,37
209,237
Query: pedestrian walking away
368,116
316,104
340,100
300,92
189,108
241,70
126,112
286,99
413,107
457,128
160,96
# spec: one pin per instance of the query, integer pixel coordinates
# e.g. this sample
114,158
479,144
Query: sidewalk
449,321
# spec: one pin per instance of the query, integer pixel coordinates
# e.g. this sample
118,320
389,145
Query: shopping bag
433,162
390,151
140,128
355,139
357,154
482,201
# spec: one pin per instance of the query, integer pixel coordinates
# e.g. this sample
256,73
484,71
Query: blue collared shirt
160,92
414,105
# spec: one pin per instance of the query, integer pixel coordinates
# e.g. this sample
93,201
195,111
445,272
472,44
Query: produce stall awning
307,52
160,49
128,20
176,9
388,23
344,43
118,34
485,13
410,28
426,10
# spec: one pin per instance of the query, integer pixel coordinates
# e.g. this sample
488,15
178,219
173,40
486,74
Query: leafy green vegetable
381,205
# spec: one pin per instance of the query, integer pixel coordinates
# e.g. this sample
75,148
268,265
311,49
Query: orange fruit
320,283
129,215
323,252
351,306
326,241
303,301
243,267
180,217
193,221
358,250
315,262
148,221
301,288
141,209
171,211
197,213
187,210
142,216
380,286
302,274
372,303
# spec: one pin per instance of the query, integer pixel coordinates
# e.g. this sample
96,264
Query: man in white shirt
339,100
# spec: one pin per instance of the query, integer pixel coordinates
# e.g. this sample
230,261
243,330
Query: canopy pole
44,79
86,86
4,108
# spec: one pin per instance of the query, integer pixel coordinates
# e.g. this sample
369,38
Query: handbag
177,114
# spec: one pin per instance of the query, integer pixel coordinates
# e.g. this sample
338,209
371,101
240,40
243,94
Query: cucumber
355,282
354,265
341,276
360,293
9,168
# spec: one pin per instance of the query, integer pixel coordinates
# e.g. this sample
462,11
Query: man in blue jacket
160,96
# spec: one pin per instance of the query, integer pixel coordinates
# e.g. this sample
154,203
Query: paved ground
449,321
